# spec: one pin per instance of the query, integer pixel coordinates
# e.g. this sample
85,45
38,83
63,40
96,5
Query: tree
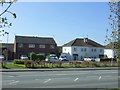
3,20
114,20
33,56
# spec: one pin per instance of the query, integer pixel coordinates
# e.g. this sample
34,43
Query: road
61,79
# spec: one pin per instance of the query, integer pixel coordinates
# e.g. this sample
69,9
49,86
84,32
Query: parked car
2,57
63,58
23,57
52,57
89,59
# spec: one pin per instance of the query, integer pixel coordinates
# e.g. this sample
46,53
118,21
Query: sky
64,21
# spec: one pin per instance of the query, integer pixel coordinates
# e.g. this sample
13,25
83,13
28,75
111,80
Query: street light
7,33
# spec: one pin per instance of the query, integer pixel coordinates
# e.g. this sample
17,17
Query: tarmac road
61,79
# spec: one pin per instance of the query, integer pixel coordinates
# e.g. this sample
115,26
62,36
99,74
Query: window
20,45
94,50
85,49
31,45
75,49
82,49
101,50
52,46
64,49
41,46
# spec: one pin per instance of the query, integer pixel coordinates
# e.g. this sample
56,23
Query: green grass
8,66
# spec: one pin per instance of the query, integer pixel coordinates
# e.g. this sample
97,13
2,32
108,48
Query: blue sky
64,21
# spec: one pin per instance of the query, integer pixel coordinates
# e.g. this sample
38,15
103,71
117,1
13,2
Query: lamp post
7,33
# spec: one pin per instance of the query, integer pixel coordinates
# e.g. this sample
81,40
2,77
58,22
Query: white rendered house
80,48
110,53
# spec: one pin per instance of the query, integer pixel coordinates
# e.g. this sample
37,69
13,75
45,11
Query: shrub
40,57
18,61
33,56
29,63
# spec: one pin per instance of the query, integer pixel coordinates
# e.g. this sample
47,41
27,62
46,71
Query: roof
35,40
83,42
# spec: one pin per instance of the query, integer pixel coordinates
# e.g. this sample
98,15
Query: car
52,58
23,57
89,59
2,57
62,58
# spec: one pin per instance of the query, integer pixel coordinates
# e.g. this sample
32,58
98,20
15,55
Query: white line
8,80
11,76
47,81
76,79
14,82
99,77
37,79
61,78
59,74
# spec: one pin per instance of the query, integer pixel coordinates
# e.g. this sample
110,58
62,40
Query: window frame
30,45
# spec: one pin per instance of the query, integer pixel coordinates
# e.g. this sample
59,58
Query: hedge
18,61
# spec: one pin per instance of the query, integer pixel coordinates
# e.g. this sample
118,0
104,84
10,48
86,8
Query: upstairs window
75,49
101,50
52,46
95,50
85,49
31,45
64,49
41,46
82,49
20,45
92,50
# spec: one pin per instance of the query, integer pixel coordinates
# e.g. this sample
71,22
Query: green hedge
18,61
34,56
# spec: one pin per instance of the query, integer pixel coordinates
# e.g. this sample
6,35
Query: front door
75,57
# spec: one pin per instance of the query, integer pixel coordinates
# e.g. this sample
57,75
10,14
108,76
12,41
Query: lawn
8,66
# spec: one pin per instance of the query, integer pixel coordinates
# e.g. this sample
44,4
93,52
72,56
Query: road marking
37,79
8,80
11,76
59,74
76,79
47,81
61,78
99,77
14,82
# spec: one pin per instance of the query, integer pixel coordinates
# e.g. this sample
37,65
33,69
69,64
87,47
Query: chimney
85,40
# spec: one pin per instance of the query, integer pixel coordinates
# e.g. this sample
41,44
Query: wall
109,53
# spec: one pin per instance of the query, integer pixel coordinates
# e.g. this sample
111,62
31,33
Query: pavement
61,79
58,69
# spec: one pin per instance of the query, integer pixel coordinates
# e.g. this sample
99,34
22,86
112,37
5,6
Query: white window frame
20,45
42,46
31,45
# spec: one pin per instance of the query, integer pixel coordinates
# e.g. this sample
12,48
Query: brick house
9,47
23,45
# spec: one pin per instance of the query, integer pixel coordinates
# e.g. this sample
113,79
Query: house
80,48
109,52
7,49
24,45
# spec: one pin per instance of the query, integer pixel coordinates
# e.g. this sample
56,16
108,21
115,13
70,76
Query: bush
18,61
40,57
29,63
33,56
